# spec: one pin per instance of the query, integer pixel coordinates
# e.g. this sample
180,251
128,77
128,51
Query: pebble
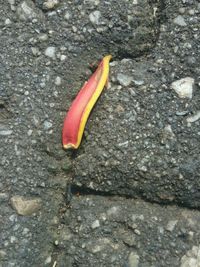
25,206
13,239
50,52
179,20
58,81
168,132
93,2
43,37
95,224
2,254
47,125
138,82
26,10
30,132
133,259
12,5
191,12
48,260
184,87
182,113
50,4
191,258
74,28
35,51
181,10
5,132
63,57
171,225
56,243
7,21
95,17
67,15
194,117
137,232
123,79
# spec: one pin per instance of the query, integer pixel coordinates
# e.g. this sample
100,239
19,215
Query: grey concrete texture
120,232
141,140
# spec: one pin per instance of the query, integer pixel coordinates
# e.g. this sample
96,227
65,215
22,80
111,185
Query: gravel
123,79
25,206
50,52
26,11
191,258
179,20
184,87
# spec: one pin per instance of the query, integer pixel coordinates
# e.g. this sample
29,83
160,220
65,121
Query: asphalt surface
129,196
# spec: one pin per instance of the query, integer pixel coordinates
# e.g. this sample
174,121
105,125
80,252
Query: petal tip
69,146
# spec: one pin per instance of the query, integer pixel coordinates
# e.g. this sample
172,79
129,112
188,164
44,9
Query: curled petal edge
79,111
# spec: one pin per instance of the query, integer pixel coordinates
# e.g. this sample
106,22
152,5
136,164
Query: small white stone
194,118
168,131
133,259
27,10
92,2
191,258
43,37
51,105
50,52
58,81
181,10
95,224
35,51
179,20
184,87
48,260
63,57
7,21
95,17
56,242
171,225
25,231
13,239
191,12
138,82
123,79
50,4
47,125
137,232
67,15
142,168
25,206
5,132
30,132
74,29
